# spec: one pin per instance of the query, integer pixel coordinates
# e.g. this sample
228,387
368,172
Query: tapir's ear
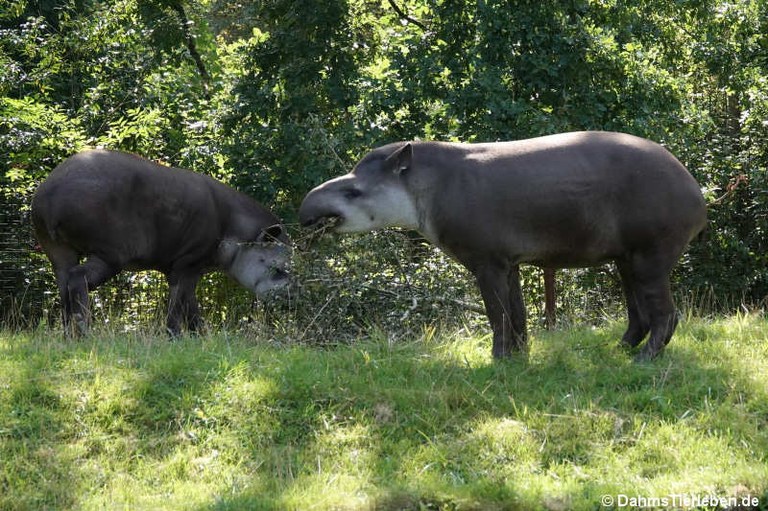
400,160
271,233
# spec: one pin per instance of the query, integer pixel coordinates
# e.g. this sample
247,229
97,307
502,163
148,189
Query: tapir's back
613,162
568,199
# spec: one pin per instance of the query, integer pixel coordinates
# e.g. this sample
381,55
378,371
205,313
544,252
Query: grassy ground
228,423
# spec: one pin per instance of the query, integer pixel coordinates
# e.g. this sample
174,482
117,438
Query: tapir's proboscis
100,212
568,200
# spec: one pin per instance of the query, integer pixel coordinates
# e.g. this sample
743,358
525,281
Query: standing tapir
567,200
100,212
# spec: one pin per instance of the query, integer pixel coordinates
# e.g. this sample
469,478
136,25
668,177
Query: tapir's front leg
500,288
182,307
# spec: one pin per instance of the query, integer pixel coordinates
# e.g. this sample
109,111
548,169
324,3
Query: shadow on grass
423,425
552,415
37,470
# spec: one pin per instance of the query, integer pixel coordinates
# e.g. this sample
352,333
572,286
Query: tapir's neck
244,217
426,186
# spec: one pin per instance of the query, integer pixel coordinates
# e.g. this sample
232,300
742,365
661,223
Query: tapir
567,200
100,212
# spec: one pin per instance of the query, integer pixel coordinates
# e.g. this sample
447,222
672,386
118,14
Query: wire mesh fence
24,284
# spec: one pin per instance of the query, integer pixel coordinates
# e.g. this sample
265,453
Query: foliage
289,124
277,96
427,422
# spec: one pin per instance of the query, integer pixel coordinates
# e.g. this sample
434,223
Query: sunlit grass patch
232,422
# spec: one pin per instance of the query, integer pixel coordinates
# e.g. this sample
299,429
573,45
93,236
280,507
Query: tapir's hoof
630,341
646,356
510,353
80,324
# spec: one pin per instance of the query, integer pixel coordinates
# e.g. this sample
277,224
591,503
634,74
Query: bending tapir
118,211
567,200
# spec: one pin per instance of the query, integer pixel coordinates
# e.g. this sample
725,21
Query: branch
405,17
189,39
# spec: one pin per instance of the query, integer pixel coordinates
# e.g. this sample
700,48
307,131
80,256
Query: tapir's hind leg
80,279
637,309
62,259
651,272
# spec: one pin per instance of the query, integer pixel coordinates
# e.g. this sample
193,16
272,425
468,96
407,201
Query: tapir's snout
316,213
309,220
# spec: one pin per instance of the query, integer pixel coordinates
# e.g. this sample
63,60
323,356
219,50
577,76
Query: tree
279,95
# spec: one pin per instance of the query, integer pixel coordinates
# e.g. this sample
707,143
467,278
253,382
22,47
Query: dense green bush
275,97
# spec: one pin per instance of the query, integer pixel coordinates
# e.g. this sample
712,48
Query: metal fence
25,286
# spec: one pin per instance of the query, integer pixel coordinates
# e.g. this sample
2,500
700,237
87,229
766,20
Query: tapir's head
373,196
260,265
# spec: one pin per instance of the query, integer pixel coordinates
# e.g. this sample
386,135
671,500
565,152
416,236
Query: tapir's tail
42,220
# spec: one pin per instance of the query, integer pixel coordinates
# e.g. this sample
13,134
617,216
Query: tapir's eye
351,193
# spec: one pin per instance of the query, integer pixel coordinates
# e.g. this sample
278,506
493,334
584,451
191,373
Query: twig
730,189
405,16
440,299
414,305
189,39
317,315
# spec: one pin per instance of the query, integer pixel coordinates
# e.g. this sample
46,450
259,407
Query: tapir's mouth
280,274
323,223
278,280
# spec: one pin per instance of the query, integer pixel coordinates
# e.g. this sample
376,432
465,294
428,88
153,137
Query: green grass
228,422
